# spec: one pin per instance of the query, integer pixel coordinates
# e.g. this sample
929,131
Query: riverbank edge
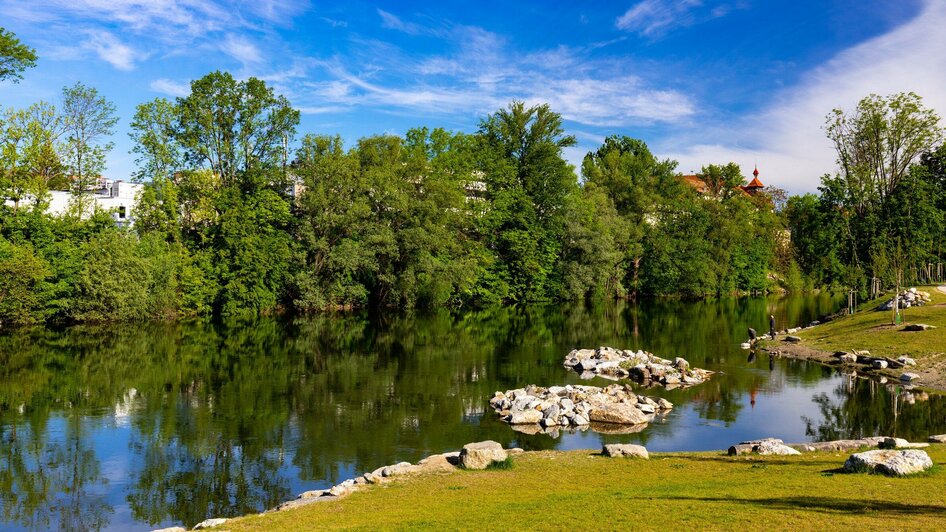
434,468
929,380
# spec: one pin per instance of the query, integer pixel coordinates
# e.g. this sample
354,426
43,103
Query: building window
121,212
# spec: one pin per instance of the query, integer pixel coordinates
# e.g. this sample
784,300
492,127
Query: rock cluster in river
910,297
641,366
577,406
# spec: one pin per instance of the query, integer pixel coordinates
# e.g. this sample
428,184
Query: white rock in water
210,523
625,449
938,438
889,462
526,417
879,364
479,455
909,377
618,413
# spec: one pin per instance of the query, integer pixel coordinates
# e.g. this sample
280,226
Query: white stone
625,450
526,417
479,455
619,413
889,462
210,523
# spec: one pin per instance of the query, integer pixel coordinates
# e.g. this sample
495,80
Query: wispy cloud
170,87
787,139
241,49
654,18
111,50
392,21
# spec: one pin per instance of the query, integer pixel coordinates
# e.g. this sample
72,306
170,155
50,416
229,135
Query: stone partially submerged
641,366
892,463
536,409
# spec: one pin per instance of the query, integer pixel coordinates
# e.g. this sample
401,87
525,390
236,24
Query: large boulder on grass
625,449
892,463
480,455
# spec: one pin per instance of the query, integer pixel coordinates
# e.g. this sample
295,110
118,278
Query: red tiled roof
696,182
755,183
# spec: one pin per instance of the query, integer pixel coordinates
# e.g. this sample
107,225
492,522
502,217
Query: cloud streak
787,138
655,18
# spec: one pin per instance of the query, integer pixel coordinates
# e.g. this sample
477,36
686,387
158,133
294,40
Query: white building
118,198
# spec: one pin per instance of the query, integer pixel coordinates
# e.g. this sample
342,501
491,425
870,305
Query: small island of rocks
640,366
534,408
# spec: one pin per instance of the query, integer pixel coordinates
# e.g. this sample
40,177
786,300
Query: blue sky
701,81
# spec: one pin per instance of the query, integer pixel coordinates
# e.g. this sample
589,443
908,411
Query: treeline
881,220
232,222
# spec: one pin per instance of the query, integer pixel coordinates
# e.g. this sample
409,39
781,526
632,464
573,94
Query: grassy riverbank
582,490
872,330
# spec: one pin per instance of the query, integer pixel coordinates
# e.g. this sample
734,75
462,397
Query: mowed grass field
873,331
581,490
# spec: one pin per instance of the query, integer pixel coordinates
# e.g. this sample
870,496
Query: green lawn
584,491
872,330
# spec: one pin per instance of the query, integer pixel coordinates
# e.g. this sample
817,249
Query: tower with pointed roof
755,186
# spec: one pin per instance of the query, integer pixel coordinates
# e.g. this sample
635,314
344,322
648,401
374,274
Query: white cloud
653,18
112,50
787,140
392,21
170,87
241,49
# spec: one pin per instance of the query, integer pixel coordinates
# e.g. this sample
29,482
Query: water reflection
141,426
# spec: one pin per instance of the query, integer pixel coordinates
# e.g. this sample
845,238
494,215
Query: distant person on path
772,326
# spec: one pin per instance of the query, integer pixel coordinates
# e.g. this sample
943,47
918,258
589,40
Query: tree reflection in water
212,420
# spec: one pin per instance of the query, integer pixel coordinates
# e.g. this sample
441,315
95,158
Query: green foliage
229,223
15,57
881,216
23,285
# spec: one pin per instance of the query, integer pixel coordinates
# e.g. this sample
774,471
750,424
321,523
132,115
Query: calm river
145,426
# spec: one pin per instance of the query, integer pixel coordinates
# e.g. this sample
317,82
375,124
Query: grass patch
500,465
698,490
871,330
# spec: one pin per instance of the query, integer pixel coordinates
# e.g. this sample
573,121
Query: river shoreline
869,334
663,478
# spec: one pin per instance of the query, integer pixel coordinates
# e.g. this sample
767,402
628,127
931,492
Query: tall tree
877,143
153,132
15,57
637,184
88,119
528,184
234,126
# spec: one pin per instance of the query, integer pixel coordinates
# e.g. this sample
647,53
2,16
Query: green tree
232,126
88,119
159,154
15,57
528,186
